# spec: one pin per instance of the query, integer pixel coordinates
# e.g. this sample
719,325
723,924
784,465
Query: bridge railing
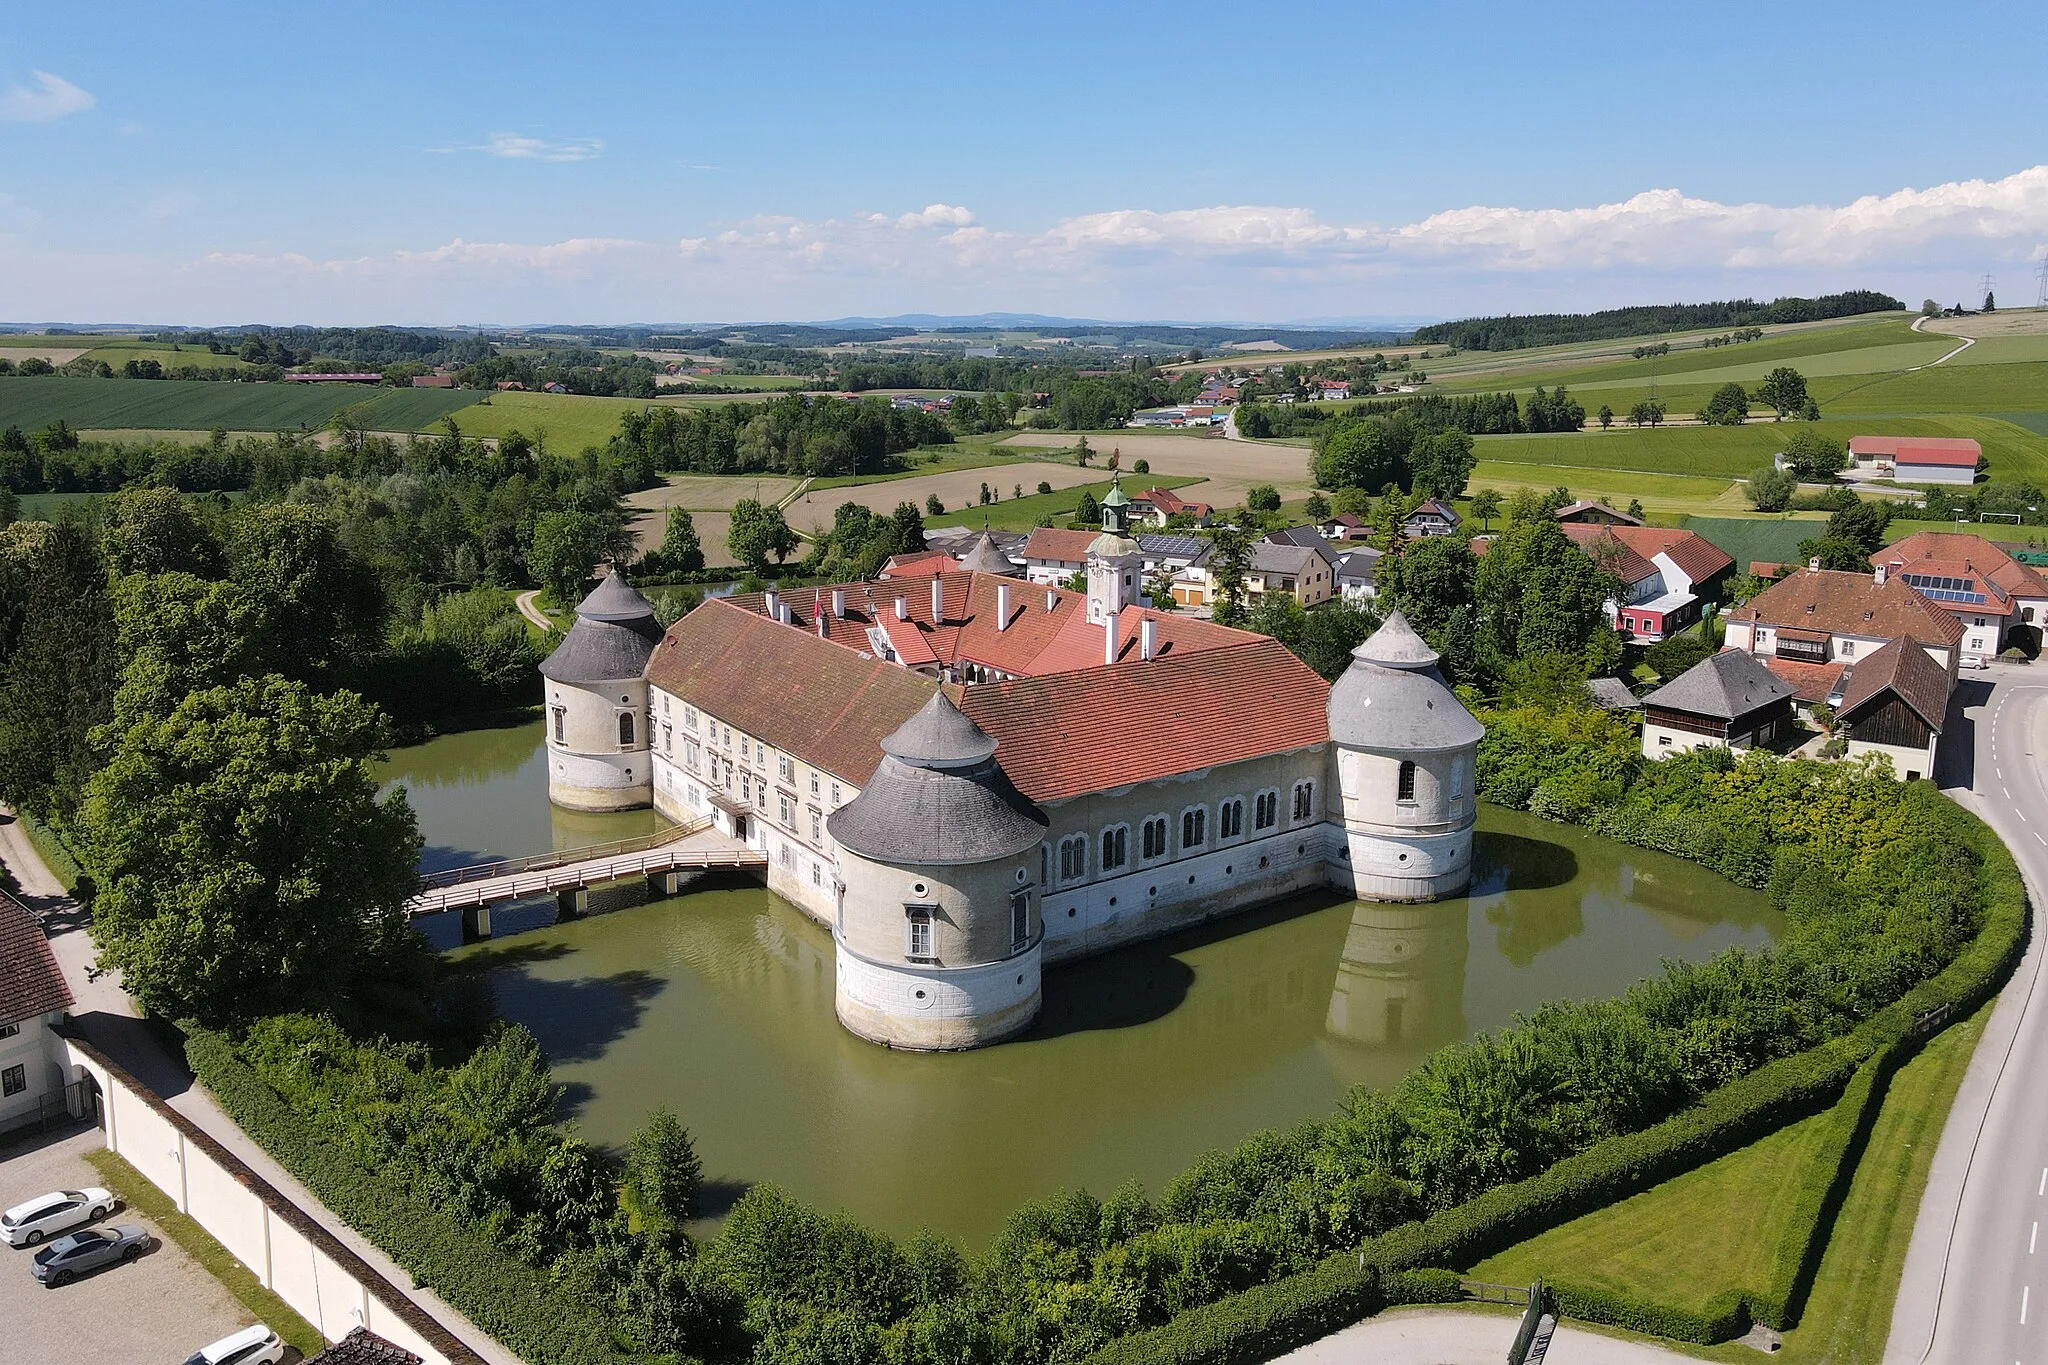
562,857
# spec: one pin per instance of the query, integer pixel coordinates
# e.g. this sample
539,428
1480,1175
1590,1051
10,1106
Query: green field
1703,1232
568,421
2019,386
199,405
1608,362
119,353
1746,539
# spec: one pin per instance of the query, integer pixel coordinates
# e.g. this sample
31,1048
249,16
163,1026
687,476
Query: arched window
1230,818
1404,788
1194,827
625,729
1116,845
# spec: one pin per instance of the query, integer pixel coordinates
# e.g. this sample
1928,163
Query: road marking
2037,835
2023,1305
2033,1237
2044,1182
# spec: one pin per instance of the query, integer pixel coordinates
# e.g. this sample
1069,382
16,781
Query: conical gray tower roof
984,557
1393,701
614,634
938,797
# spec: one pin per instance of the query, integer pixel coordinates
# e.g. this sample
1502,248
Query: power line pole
2041,273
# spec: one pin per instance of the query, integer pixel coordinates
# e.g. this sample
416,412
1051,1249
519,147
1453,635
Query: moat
718,1004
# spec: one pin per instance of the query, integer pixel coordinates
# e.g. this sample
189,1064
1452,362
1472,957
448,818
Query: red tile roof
812,698
1810,682
1166,502
1081,732
1941,450
1061,547
1951,554
1696,557
1901,669
1609,550
1851,604
30,983
909,566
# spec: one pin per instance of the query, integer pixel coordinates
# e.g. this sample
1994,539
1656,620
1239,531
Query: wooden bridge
567,874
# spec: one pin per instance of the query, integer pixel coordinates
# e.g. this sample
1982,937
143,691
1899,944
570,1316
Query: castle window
782,810
787,768
1305,800
1404,784
1266,810
668,737
746,786
918,919
560,715
1230,818
835,796
1194,827
1116,847
1073,857
817,874
1020,920
715,778
1155,837
692,755
817,826
814,784
625,729
690,717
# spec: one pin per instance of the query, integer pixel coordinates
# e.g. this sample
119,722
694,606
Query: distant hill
1512,333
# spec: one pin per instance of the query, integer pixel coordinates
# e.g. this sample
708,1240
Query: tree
1864,523
663,1173
1814,456
1536,592
246,864
1486,506
61,666
1043,487
1646,413
1635,508
1087,508
1929,309
1990,303
1770,489
319,606
758,531
1368,454
1263,498
1083,453
1835,552
1727,407
1141,467
564,548
1228,564
1783,391
1606,417
1428,580
933,507
155,530
1317,508
681,551
1442,464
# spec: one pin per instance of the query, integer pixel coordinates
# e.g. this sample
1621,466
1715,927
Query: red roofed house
1813,627
1333,388
1667,573
33,997
1917,459
968,777
1162,503
1991,594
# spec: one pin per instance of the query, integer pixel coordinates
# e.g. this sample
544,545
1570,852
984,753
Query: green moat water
718,1004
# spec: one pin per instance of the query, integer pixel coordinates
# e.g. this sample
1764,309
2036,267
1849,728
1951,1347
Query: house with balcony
1814,627
1667,575
1997,600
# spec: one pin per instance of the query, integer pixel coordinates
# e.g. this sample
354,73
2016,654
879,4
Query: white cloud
519,147
48,99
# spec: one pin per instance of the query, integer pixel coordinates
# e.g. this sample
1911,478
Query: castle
968,778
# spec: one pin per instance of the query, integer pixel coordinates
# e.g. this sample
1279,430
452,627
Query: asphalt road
1975,1287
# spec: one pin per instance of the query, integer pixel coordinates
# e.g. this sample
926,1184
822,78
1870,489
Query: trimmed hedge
1277,1317
517,1304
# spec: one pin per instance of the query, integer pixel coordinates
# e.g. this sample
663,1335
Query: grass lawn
1771,538
200,405
973,453
2021,386
1021,514
136,1191
1675,1239
568,421
119,353
1668,493
1656,1245
1597,362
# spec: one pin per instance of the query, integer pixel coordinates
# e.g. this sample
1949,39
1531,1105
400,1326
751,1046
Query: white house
33,998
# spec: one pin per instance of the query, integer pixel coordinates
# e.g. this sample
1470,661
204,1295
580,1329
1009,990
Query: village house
1814,626
1585,513
1333,388
1343,526
1894,703
1053,555
1158,504
1430,518
1730,699
1916,459
1667,575
1356,569
33,999
1998,600
1308,573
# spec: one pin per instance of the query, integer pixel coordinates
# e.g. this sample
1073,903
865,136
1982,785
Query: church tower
1115,561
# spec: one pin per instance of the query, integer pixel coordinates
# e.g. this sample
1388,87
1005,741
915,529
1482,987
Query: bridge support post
572,902
663,884
476,924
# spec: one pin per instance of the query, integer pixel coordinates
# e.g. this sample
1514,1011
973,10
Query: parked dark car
81,1253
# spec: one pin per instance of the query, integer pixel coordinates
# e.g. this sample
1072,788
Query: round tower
938,932
599,749
1405,747
984,557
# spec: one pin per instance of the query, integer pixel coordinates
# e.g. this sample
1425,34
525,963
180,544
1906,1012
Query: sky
519,163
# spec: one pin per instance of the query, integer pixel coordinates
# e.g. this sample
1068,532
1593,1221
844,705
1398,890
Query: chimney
1109,639
1052,599
1002,606
1814,564
938,600
788,614
819,617
773,601
902,609
1148,638
839,602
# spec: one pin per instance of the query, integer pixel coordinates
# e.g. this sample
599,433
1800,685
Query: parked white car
31,1221
256,1345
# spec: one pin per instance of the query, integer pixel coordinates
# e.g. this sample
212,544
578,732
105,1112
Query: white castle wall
588,769
1405,850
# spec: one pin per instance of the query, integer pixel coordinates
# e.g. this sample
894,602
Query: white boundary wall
293,1256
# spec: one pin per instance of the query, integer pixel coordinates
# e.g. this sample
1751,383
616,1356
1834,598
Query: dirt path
1968,342
530,609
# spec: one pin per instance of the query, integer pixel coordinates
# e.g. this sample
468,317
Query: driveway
1456,1336
161,1307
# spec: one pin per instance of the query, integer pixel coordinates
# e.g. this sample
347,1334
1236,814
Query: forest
1512,332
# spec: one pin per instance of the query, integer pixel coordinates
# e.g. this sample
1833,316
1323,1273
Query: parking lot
159,1308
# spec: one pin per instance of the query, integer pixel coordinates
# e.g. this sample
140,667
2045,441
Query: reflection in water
718,1004
1401,979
